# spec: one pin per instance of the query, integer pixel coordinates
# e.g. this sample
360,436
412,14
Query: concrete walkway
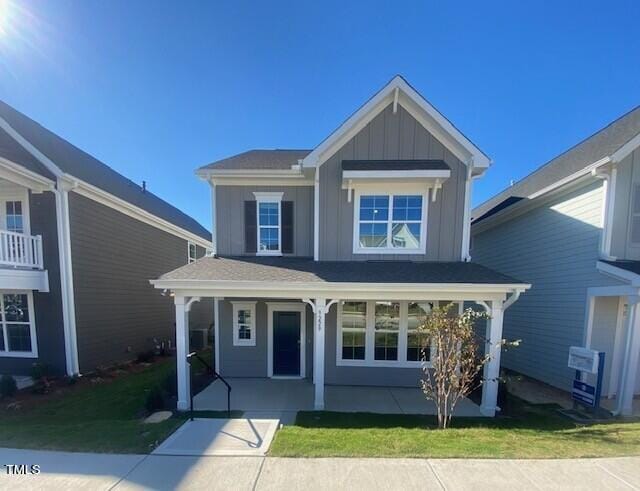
61,470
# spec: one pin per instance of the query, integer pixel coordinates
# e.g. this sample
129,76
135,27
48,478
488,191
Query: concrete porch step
221,437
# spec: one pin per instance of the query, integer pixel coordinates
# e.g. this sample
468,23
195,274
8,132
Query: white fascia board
118,204
259,181
207,173
618,273
626,149
400,291
418,107
20,175
396,174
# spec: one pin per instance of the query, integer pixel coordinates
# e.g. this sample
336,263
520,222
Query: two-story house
572,230
327,259
78,243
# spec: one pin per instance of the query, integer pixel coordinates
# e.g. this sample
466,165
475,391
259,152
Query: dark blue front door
286,343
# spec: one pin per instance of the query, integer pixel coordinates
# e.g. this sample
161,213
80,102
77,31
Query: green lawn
102,417
537,432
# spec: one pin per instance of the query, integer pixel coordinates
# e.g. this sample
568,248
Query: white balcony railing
20,250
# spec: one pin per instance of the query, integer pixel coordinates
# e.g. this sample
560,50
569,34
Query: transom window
376,333
14,217
269,223
244,324
391,223
17,338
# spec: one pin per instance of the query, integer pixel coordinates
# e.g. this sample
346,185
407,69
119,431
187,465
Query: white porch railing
20,250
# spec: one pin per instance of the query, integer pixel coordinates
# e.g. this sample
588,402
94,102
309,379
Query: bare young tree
455,358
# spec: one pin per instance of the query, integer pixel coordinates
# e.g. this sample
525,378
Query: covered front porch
268,395
349,329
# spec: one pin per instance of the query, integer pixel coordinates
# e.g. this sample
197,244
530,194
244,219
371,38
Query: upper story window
390,223
192,253
269,234
13,216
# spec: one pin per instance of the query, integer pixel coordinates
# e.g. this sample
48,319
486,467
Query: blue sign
584,393
587,394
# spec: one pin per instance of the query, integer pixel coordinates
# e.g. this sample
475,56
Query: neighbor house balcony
20,250
21,262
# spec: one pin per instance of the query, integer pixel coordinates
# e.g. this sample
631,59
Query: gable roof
72,161
398,91
604,143
278,159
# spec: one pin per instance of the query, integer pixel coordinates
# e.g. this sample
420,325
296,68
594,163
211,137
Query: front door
286,344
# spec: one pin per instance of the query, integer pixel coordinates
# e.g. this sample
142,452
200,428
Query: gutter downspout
609,191
66,275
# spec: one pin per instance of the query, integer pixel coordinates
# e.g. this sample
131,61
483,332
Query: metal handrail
216,376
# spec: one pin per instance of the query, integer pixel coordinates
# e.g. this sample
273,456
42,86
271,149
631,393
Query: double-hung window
269,234
191,252
418,344
387,329
354,330
14,217
244,323
17,336
390,223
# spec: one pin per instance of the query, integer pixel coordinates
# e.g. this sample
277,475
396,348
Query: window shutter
250,227
287,227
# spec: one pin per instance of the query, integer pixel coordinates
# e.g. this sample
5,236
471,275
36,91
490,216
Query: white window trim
635,189
195,250
32,329
23,197
390,190
369,357
271,197
237,307
286,307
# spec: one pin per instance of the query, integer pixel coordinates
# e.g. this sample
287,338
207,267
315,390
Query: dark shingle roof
13,151
394,165
631,266
260,160
602,144
306,270
77,163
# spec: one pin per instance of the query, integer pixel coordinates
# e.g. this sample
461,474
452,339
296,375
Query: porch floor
265,397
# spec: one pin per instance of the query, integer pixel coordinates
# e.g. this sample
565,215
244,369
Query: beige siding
230,217
392,136
118,313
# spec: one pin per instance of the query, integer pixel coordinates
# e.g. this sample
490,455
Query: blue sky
155,89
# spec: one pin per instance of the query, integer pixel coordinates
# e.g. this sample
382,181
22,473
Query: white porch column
182,350
630,359
492,367
318,352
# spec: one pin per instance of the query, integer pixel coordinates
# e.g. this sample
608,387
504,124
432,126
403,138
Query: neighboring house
328,258
572,230
78,243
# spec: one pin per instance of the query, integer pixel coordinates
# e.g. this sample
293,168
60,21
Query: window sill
386,250
241,344
18,354
383,363
276,254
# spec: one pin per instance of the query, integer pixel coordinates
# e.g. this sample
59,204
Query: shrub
39,371
155,400
8,386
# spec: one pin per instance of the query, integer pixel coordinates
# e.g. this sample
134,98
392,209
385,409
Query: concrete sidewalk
61,470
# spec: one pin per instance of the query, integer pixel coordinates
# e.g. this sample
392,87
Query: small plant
8,386
155,400
39,371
